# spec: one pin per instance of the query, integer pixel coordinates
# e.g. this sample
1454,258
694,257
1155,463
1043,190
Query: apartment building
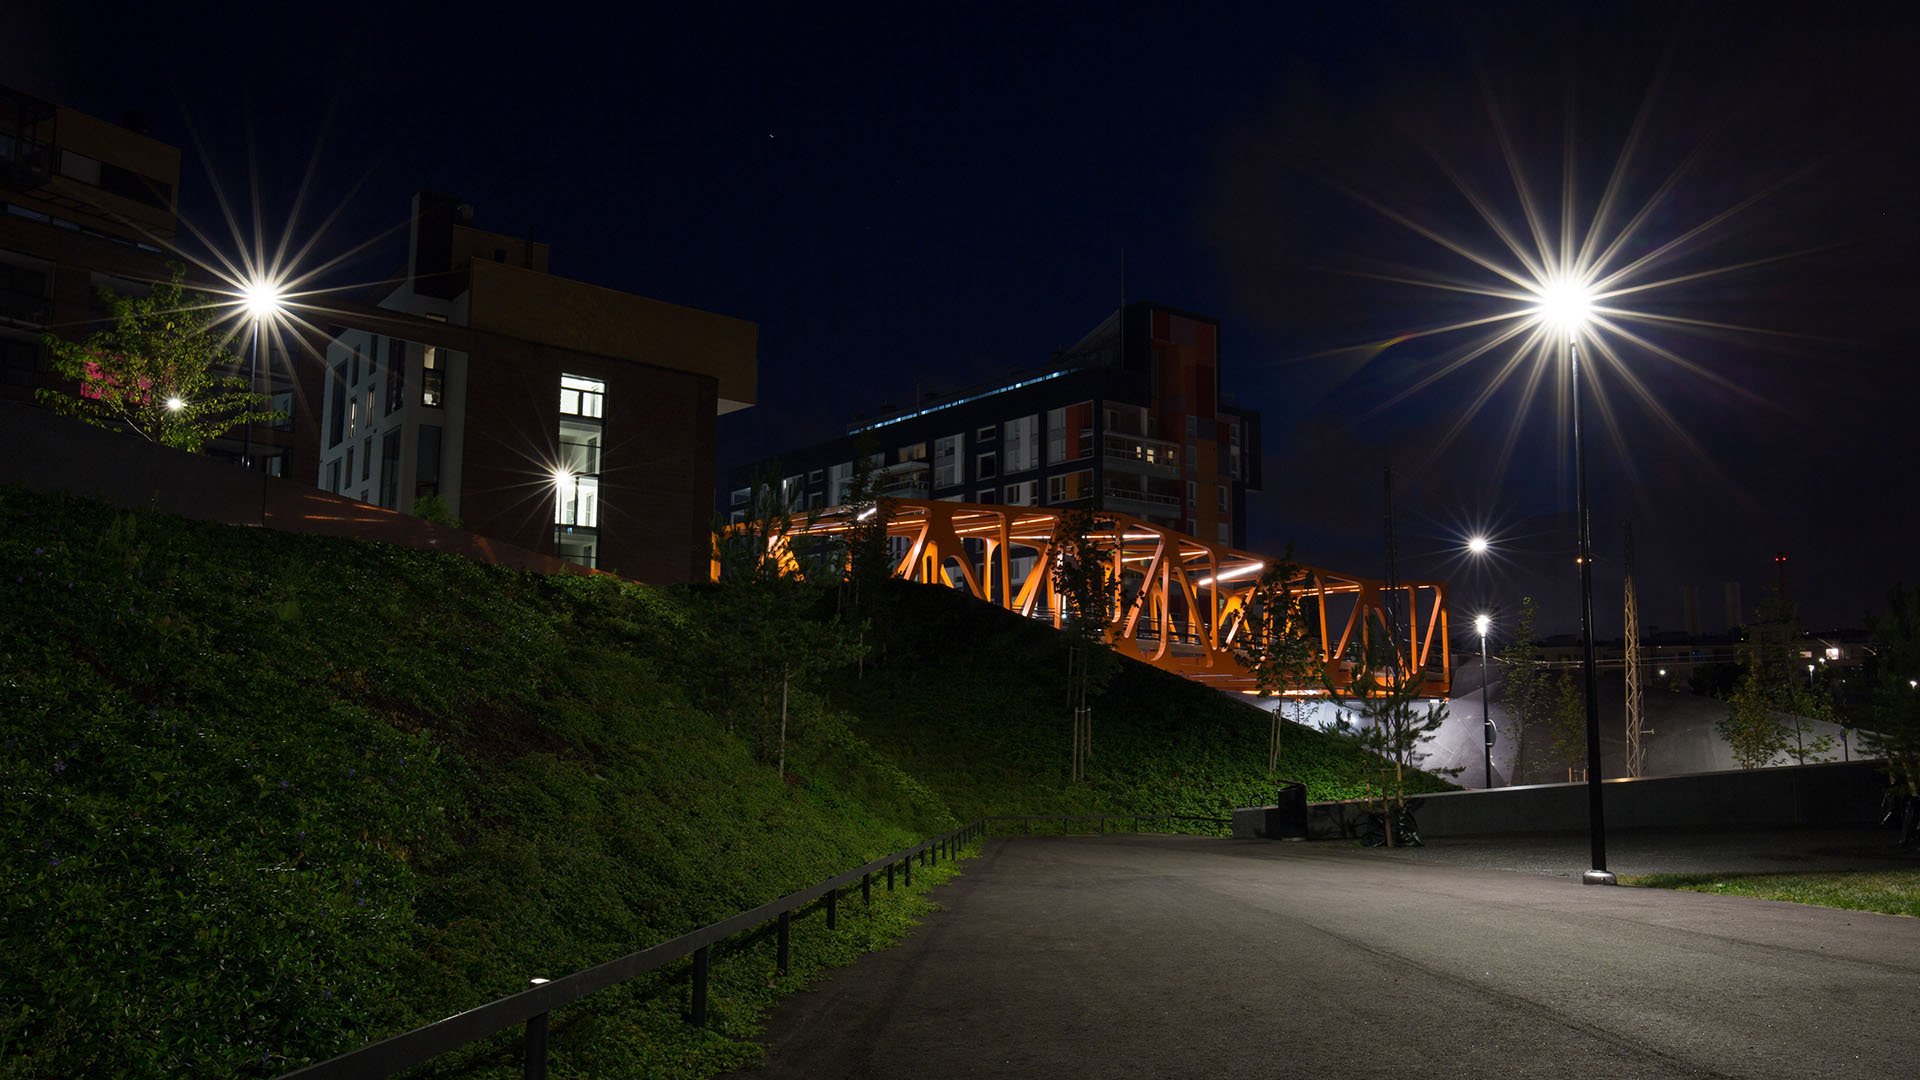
555,414
1130,419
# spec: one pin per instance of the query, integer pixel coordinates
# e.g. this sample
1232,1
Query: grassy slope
265,797
973,699
1891,892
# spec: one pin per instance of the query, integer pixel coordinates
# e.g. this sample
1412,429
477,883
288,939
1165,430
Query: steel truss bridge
1180,601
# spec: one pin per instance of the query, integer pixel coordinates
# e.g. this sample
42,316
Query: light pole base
1598,877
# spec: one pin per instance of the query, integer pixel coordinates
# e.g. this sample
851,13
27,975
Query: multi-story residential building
1129,420
558,415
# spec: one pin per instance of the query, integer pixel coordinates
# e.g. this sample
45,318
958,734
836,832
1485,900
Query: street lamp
1565,305
1477,545
261,298
1480,624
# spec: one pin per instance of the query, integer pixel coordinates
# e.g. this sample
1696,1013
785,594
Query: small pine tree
1380,715
1274,642
1083,580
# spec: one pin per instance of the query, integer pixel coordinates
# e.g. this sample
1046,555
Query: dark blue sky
909,200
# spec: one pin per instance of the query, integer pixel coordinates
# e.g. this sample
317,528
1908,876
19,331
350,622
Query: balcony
1141,456
905,480
1149,504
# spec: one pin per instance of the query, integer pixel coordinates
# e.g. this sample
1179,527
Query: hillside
268,797
972,699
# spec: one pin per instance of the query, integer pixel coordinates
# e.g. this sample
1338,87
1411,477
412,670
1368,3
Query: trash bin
1287,820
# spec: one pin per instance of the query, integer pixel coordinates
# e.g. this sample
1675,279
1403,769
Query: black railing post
534,1063
889,877
699,1011
833,908
782,950
866,888
908,864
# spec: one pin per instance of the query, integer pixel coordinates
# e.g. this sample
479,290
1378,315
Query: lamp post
1565,305
1481,623
261,298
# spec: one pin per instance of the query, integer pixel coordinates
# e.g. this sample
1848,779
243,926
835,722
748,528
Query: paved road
1183,956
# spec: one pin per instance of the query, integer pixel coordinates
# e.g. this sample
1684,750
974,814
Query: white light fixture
174,404
261,298
1482,623
1477,545
1566,303
867,513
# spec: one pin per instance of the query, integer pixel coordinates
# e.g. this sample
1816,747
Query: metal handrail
533,1006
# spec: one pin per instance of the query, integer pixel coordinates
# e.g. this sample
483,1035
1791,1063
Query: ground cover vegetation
974,700
1891,892
265,798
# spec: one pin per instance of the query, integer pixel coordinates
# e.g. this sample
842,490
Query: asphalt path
1155,956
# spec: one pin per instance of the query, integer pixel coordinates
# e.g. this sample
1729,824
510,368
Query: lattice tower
1636,696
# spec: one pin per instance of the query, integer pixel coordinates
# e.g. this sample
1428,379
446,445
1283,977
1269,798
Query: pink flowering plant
163,370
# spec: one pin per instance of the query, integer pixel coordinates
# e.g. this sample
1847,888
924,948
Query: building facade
1128,420
554,414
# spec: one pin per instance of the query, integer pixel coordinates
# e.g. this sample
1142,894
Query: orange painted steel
1179,599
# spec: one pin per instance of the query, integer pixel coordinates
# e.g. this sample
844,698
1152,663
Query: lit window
581,396
432,377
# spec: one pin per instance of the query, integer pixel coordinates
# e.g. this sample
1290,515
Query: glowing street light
1565,307
1477,545
262,300
1481,624
175,404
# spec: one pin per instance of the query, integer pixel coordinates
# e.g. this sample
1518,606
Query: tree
162,371
1749,727
1527,692
766,631
1569,718
1084,583
1379,714
1274,643
1772,708
433,509
1888,712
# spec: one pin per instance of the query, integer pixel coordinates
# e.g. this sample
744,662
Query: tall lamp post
1481,623
1565,305
262,301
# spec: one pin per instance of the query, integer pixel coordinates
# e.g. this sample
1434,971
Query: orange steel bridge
1180,601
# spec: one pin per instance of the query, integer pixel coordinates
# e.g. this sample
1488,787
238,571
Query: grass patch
1890,892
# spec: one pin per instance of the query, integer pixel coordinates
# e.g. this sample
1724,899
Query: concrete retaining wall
1827,794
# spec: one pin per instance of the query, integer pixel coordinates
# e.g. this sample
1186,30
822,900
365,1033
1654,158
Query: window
333,476
839,482
946,460
1233,453
576,500
1193,426
348,477
366,459
915,452
390,469
813,478
353,378
986,434
336,422
19,362
426,463
739,496
353,418
432,378
1222,490
282,403
1070,487
986,496
1193,496
576,547
1021,450
396,375
1226,537
1021,494
369,413
23,297
986,466
1192,459
80,167
1070,433
580,396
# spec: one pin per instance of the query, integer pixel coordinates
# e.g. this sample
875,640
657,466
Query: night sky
922,201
